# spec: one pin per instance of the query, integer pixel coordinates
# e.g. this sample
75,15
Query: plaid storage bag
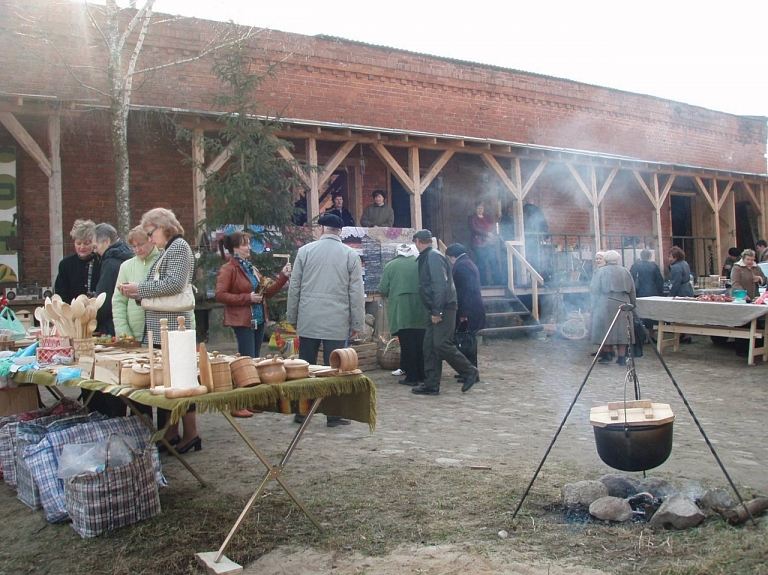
61,408
43,458
32,433
114,497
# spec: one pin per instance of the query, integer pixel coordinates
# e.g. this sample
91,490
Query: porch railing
536,279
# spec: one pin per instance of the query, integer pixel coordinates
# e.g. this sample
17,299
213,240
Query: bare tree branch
142,16
128,78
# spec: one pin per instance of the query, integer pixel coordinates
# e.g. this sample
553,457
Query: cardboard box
18,400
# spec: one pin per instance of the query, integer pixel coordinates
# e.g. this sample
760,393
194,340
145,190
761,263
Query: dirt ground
505,423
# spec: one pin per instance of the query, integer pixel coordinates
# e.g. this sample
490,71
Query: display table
352,397
676,316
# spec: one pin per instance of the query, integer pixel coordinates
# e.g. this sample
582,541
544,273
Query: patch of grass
374,510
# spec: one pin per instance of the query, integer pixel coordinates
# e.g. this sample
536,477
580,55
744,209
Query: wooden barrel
244,372
222,375
344,359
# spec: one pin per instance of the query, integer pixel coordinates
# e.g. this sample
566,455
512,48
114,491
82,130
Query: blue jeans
249,340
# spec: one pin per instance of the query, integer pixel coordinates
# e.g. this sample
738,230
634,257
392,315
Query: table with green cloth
350,396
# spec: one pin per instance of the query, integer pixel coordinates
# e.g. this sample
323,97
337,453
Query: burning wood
741,513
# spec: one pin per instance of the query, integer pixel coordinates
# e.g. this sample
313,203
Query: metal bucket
634,448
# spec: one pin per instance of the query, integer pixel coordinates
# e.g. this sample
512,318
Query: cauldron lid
639,412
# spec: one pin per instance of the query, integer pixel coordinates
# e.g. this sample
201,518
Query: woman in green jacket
127,314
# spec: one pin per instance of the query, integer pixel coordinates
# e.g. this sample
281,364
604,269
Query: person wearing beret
326,301
379,214
438,295
338,209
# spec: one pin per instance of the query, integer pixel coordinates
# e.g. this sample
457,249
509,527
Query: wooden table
352,397
676,316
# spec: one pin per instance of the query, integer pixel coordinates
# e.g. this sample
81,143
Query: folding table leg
148,424
273,472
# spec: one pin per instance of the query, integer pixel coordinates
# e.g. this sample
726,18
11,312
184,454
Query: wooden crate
366,356
15,400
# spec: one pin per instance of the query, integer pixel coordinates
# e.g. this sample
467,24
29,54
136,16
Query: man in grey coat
439,297
326,301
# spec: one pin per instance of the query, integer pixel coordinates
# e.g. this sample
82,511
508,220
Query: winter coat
610,283
176,269
72,279
233,289
466,278
480,228
680,279
436,282
113,258
344,214
743,277
400,285
381,216
325,295
127,313
648,279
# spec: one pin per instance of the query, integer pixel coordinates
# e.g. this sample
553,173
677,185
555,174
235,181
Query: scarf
257,309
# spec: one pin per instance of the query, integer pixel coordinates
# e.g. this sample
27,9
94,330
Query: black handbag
466,342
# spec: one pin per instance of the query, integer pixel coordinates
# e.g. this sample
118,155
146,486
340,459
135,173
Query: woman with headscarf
611,286
406,314
79,273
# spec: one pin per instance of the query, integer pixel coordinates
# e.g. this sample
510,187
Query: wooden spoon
78,312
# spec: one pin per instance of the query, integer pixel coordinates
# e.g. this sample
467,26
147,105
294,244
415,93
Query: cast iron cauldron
636,448
633,435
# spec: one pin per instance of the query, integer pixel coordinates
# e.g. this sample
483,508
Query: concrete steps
506,316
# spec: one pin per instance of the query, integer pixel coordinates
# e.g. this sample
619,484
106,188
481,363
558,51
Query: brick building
606,168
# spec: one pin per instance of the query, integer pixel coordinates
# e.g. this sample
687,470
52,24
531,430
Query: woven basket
389,356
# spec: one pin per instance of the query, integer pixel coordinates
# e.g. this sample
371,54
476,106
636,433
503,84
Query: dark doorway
682,226
401,205
746,226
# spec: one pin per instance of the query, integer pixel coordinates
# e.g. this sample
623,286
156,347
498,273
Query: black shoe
196,444
297,418
424,390
161,448
604,358
407,382
457,376
334,421
622,360
469,381
686,339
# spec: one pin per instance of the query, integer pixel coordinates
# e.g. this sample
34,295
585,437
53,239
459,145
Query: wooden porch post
313,199
198,177
415,174
54,193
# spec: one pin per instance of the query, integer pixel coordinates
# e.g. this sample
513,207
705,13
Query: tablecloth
698,312
353,397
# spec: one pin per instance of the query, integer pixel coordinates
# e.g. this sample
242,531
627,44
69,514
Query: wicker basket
389,356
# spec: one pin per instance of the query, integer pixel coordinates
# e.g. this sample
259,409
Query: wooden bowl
296,369
344,359
271,370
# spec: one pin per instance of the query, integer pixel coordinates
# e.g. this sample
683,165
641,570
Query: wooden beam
606,184
654,200
703,190
434,170
532,178
727,190
592,199
301,172
55,222
198,176
415,173
666,190
313,197
392,164
26,141
756,204
218,162
491,162
335,160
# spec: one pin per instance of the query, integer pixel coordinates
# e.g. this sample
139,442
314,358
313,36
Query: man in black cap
379,214
338,209
326,302
439,297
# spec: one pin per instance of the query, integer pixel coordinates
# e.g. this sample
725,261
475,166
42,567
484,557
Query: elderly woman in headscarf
611,286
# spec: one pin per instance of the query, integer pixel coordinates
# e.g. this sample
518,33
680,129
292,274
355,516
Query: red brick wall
333,80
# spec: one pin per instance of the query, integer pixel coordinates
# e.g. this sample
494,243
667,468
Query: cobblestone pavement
508,419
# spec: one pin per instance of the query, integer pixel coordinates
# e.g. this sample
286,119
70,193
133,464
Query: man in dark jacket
648,279
439,297
470,315
338,209
113,252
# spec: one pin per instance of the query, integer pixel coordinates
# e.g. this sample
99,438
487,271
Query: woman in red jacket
240,287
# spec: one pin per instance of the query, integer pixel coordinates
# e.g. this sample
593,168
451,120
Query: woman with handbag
244,292
470,315
168,286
